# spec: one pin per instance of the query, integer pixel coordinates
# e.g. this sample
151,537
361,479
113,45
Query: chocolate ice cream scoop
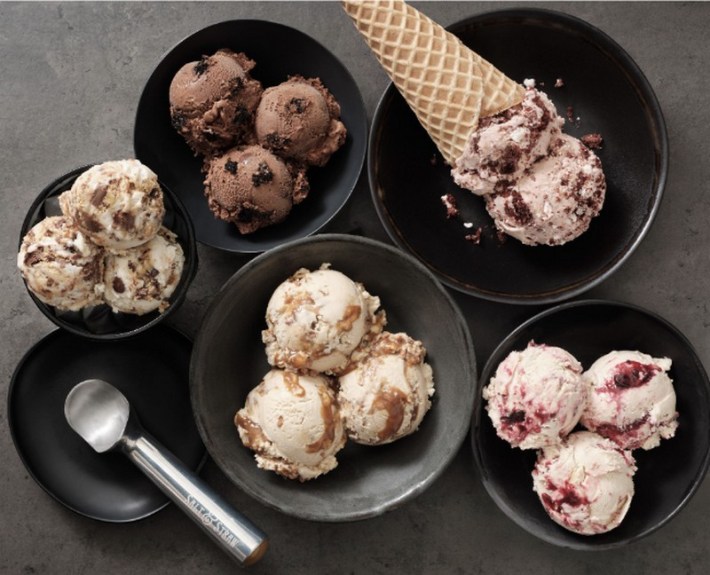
300,119
253,188
213,100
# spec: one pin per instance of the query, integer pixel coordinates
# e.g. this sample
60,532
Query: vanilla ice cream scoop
585,483
142,279
292,422
506,145
536,396
316,319
60,265
631,399
117,204
384,394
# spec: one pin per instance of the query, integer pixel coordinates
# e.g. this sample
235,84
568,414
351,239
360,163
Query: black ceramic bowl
100,322
667,476
610,95
228,360
151,370
279,51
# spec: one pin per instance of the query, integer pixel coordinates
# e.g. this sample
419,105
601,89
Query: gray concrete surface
71,75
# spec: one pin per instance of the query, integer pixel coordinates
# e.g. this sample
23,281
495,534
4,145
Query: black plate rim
471,366
492,362
178,297
585,283
359,154
27,357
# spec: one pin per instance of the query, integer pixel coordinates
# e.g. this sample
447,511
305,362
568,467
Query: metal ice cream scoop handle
102,416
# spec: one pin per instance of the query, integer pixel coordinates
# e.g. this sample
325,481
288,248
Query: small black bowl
604,88
100,322
667,476
228,360
279,51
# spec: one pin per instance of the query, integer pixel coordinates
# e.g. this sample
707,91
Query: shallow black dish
151,370
667,476
609,94
100,322
279,51
229,360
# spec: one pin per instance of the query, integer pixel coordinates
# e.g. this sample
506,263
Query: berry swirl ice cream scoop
631,399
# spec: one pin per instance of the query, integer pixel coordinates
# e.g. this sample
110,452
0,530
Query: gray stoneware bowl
228,360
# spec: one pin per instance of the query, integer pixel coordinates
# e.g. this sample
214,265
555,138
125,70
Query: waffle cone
447,85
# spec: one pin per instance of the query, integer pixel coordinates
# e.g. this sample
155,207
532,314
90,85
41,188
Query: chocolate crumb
449,202
201,66
518,209
475,237
124,220
242,116
262,175
34,257
238,85
230,166
296,105
592,141
276,142
118,285
98,196
178,121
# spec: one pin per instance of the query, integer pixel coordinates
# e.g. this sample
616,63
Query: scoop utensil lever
102,416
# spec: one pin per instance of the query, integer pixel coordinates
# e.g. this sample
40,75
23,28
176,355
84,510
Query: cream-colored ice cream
316,319
506,145
536,396
292,423
386,391
555,200
117,204
631,399
585,483
60,265
142,279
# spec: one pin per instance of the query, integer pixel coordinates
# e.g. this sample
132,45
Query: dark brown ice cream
213,100
253,188
300,119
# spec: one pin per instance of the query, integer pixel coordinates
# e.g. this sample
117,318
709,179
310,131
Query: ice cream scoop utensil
102,416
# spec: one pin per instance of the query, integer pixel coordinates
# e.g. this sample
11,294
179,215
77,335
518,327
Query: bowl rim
201,345
478,416
189,269
655,115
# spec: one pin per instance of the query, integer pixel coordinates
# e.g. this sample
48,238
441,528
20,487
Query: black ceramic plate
667,476
152,372
609,94
100,322
279,51
229,360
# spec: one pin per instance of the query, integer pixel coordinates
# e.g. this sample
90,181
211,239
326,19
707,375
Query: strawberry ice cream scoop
631,399
585,483
536,396
506,145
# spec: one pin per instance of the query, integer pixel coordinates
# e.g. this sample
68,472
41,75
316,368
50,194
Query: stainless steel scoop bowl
102,416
